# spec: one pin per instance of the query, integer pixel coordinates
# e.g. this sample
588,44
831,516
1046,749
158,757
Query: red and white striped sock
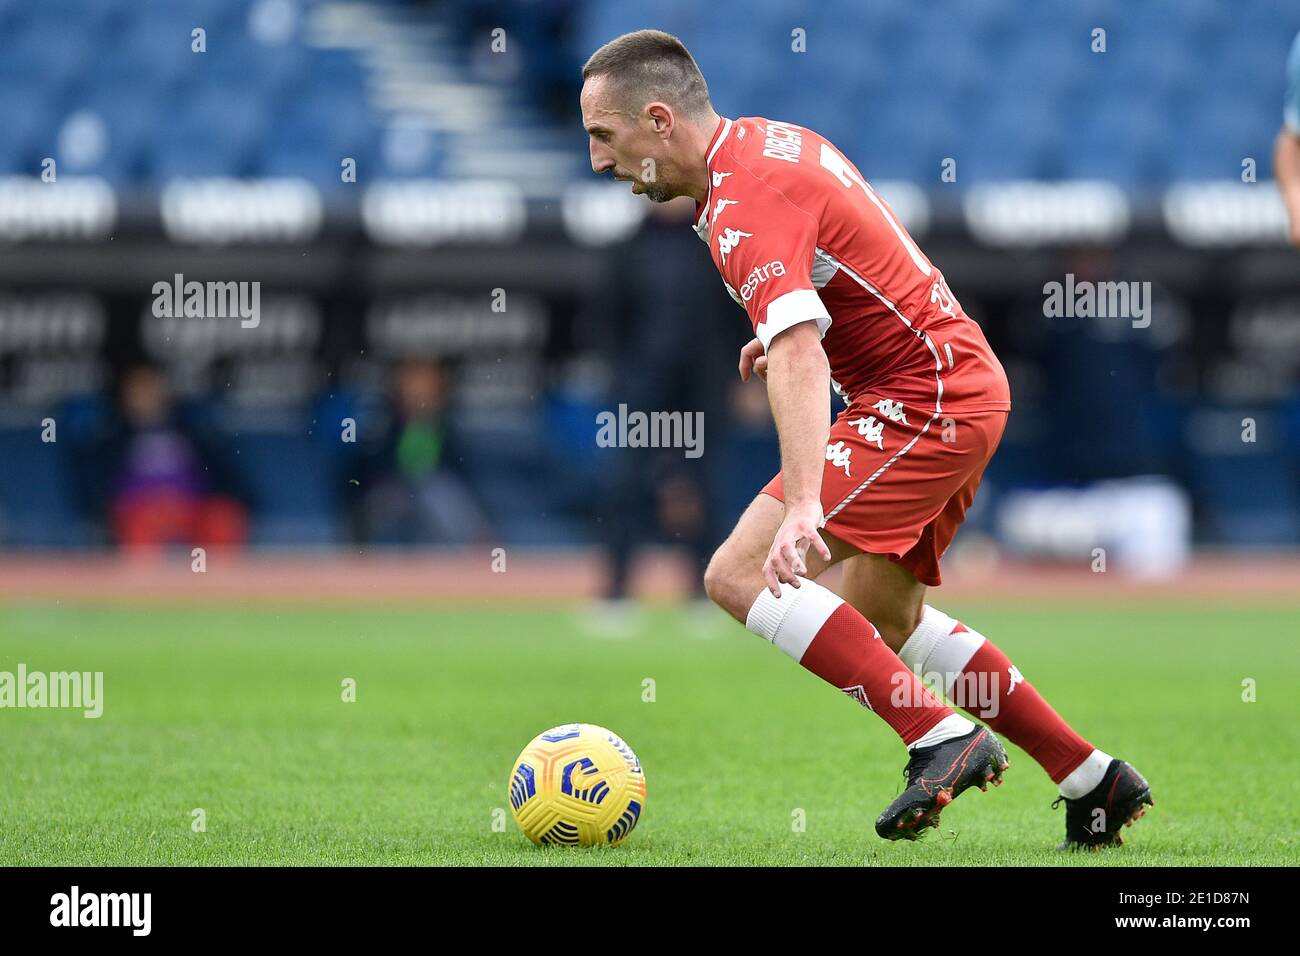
979,678
830,638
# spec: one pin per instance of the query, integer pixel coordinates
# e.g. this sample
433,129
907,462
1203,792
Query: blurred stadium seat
1009,89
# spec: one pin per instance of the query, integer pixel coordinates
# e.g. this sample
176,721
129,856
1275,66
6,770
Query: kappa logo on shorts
718,178
892,410
871,429
838,456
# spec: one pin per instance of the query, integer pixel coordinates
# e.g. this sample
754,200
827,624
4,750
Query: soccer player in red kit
841,297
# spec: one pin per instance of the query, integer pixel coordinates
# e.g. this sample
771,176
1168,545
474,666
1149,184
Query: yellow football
577,785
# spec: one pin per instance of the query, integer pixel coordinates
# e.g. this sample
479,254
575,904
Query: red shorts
899,479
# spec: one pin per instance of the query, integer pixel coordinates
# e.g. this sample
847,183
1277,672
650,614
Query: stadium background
409,184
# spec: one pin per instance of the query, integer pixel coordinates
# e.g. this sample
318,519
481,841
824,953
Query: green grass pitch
239,711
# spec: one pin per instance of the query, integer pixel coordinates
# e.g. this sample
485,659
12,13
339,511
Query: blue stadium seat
1250,500
314,134
1094,149
1014,140
1211,80
215,134
35,494
26,133
157,50
44,54
292,486
1227,128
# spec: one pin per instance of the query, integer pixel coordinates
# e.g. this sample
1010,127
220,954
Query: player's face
627,147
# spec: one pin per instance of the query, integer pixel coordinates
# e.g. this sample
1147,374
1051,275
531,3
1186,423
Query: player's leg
735,573
820,631
886,593
971,670
977,676
828,637
891,473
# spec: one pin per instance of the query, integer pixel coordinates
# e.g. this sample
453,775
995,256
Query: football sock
1084,778
979,678
830,638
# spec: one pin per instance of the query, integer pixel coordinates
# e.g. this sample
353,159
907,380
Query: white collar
702,224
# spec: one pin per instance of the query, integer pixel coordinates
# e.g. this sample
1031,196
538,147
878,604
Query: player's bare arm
798,383
1286,169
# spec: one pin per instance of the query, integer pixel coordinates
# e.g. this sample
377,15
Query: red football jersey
798,234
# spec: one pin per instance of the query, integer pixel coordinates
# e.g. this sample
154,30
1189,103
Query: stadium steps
420,84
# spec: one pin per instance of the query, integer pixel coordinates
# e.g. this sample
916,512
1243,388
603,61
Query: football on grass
577,785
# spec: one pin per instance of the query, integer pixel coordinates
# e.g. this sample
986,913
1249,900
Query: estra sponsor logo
760,275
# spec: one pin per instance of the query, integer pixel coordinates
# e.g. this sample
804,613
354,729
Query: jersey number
845,173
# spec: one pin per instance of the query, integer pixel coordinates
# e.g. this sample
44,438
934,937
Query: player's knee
724,585
896,624
715,577
893,637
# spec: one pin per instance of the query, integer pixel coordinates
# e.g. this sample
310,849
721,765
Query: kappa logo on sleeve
718,178
728,240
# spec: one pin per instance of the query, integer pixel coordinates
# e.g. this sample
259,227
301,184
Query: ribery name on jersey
760,275
783,141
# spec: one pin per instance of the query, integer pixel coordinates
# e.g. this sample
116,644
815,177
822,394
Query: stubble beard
657,192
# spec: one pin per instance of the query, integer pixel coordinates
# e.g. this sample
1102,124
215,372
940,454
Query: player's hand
753,358
786,560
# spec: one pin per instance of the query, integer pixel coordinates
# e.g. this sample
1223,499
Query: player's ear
661,117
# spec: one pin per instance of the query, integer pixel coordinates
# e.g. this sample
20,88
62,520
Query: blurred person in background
1095,365
659,354
157,480
413,491
1286,155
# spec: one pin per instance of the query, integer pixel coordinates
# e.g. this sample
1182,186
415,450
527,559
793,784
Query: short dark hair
651,65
